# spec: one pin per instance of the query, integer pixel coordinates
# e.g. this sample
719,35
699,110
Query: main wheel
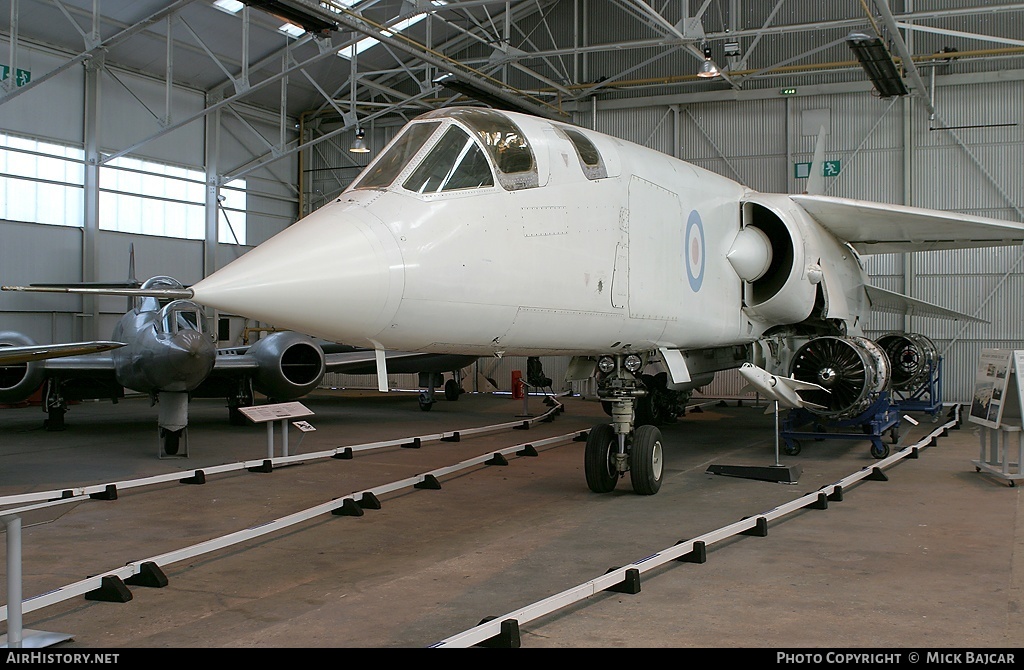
171,440
599,458
451,390
646,460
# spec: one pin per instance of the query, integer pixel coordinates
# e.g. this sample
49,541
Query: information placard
1016,384
990,387
280,411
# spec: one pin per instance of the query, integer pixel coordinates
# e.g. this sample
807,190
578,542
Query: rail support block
109,493
345,454
528,450
348,508
630,584
760,528
699,553
268,466
429,482
508,638
369,501
820,503
111,590
497,459
198,478
150,574
877,475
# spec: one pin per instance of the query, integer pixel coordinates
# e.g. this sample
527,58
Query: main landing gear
431,380
619,447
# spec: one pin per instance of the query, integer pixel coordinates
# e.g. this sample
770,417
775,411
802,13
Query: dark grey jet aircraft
161,350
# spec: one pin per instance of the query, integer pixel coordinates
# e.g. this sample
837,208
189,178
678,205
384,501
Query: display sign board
1016,387
304,426
280,411
990,387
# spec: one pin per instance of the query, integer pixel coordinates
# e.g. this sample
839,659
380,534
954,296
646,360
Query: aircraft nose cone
190,342
336,274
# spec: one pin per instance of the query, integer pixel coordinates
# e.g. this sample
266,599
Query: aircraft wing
363,361
878,228
28,354
897,303
801,385
347,359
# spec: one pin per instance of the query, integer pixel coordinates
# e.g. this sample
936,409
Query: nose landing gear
619,447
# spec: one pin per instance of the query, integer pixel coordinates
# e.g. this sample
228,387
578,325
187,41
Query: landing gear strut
242,397
614,449
55,405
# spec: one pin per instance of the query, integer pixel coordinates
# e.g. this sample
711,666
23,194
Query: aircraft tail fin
816,179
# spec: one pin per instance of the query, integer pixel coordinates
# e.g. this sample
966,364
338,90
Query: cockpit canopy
179,315
461,148
457,159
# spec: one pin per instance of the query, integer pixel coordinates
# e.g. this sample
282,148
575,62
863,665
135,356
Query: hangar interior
189,132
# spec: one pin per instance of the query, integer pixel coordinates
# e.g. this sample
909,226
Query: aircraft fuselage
625,253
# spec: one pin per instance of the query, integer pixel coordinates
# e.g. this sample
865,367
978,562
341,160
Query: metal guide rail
111,585
503,631
109,491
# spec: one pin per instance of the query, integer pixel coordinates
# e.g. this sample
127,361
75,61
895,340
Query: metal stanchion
18,638
526,399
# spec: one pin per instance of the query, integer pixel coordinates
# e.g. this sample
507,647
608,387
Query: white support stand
526,399
1005,452
282,412
17,637
998,408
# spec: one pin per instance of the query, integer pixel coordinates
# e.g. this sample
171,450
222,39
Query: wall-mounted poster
990,387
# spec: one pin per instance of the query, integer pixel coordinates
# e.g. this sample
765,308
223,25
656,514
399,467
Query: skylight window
292,30
229,6
367,42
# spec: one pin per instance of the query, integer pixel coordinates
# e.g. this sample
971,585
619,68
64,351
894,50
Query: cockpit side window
590,158
455,162
388,166
508,147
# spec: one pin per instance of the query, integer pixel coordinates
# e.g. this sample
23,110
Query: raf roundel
693,251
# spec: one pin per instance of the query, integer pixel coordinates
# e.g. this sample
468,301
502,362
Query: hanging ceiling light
359,144
708,69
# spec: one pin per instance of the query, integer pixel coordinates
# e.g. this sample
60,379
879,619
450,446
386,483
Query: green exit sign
787,91
828,169
21,77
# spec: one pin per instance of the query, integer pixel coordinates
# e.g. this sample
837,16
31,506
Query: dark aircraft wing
363,361
28,354
288,365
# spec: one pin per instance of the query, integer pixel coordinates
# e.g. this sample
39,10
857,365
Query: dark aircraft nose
192,343
191,358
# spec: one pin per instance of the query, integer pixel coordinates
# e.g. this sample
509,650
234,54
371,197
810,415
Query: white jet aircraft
485,232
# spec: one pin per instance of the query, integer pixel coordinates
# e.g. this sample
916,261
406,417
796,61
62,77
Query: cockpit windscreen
389,165
455,162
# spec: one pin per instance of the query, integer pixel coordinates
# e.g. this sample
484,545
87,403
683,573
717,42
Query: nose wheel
645,456
599,460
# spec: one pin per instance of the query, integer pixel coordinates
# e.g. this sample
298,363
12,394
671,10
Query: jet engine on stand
916,372
856,376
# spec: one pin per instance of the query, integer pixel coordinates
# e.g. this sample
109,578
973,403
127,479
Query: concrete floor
930,558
